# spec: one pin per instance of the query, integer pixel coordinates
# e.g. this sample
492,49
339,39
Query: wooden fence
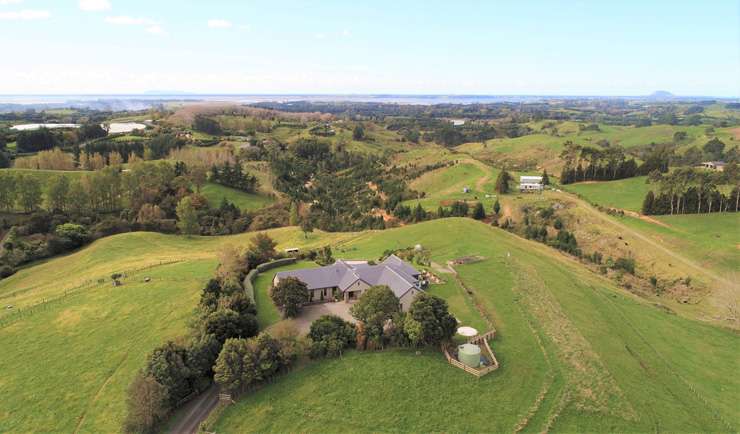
22,312
482,341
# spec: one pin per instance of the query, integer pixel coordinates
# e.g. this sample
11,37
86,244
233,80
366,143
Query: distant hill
661,94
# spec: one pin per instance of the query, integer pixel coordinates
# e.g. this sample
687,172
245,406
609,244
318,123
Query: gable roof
393,272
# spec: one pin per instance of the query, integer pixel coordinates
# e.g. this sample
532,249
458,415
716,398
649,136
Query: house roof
393,272
530,179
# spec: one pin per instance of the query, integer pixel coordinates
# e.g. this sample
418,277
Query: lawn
267,313
623,194
602,359
215,193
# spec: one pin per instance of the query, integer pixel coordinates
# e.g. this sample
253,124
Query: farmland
601,320
622,194
601,358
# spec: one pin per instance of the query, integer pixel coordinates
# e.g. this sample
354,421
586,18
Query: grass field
244,201
624,193
543,149
67,362
602,359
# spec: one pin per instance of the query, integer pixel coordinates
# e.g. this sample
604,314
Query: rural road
195,412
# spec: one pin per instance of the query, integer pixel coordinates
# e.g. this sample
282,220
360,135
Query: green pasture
215,193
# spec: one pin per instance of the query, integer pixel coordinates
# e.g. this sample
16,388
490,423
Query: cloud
219,24
151,25
95,5
10,2
156,29
125,20
25,15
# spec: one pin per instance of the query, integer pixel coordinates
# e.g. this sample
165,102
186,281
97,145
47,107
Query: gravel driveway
312,312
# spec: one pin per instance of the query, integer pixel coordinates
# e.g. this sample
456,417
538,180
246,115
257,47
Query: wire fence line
44,304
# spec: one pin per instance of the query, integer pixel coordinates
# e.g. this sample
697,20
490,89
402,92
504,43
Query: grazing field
445,185
624,193
577,353
601,359
542,148
67,362
215,193
67,366
709,239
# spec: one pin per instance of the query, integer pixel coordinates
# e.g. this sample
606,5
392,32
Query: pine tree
502,182
478,212
545,178
496,207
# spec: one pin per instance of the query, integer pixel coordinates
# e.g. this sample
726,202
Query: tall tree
187,217
502,182
289,295
377,305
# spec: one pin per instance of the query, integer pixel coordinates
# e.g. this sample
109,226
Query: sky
493,47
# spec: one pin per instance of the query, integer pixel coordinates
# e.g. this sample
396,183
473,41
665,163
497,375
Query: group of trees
693,191
335,184
149,196
586,163
225,319
382,321
207,125
234,176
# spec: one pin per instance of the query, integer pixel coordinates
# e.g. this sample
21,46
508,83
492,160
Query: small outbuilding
530,183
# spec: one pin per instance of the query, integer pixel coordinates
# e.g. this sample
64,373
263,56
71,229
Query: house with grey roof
347,280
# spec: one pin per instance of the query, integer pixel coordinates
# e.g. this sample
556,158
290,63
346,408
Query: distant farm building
530,183
714,165
347,280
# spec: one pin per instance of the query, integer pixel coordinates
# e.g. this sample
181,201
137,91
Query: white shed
530,183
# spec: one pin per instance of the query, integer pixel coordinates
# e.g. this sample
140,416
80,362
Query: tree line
693,191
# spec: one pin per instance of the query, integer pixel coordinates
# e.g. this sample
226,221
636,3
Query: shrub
376,306
428,321
330,335
225,324
626,264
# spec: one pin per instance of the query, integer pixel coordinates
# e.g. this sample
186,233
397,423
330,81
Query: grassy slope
545,148
624,193
603,360
72,359
245,201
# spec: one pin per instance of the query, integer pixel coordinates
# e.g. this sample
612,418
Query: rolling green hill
624,193
577,353
244,201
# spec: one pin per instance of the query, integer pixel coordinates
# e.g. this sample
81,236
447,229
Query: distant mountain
661,94
166,92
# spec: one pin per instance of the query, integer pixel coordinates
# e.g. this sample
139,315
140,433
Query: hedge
248,282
